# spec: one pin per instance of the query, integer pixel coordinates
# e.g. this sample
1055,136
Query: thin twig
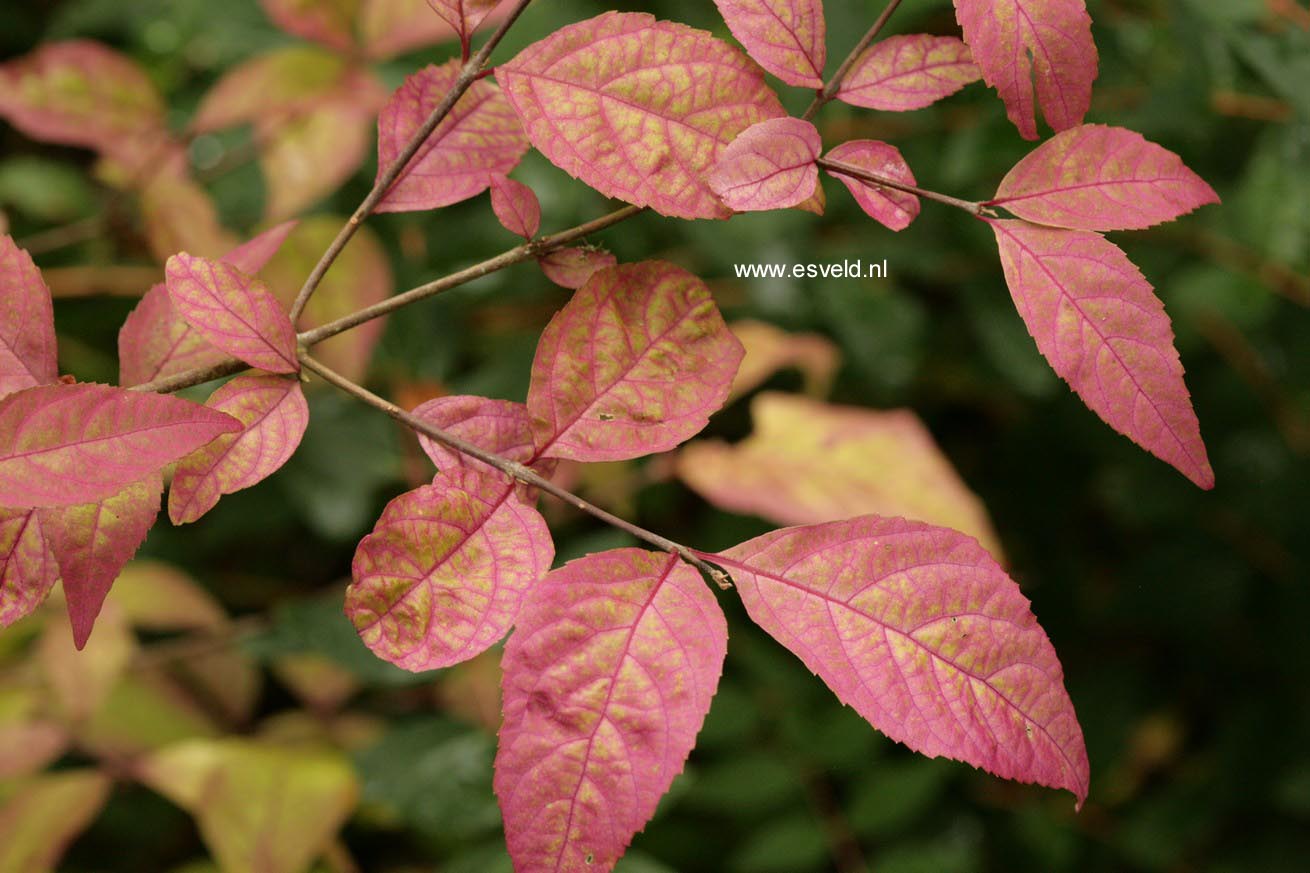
513,469
834,84
394,170
855,172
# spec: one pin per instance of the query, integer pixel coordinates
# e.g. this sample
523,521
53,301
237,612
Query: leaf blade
28,569
27,322
903,73
891,208
769,165
516,206
786,37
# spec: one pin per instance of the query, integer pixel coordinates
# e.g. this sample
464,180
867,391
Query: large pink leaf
330,22
634,364
27,322
891,208
919,630
480,138
234,311
607,680
516,207
67,444
273,411
572,267
901,73
92,541
786,37
463,16
443,573
1015,42
28,569
82,93
1103,330
638,109
770,165
1095,177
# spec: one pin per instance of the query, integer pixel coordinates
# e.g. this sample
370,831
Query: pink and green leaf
516,207
27,322
770,165
28,569
308,156
443,574
634,364
607,680
463,16
498,426
901,73
67,444
284,82
274,415
920,631
572,267
329,22
41,816
391,27
1098,323
638,109
891,208
785,37
1094,177
770,349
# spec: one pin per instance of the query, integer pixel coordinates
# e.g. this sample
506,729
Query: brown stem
513,469
393,171
855,172
69,234
830,89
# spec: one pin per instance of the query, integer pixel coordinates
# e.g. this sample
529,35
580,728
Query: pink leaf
480,138
443,573
636,108
286,81
891,208
607,680
901,73
251,256
1015,41
919,630
463,16
770,165
28,569
786,37
234,311
634,364
27,322
330,22
67,444
1095,177
391,27
273,411
516,207
499,426
572,267
307,157
92,541
1103,330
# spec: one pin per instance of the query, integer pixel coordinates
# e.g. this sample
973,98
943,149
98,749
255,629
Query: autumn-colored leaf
891,208
443,573
786,37
82,93
251,256
769,165
391,27
1094,177
516,207
28,569
179,215
607,680
572,267
81,681
901,73
920,631
634,364
42,816
274,415
27,322
330,22
1103,330
463,16
498,426
236,312
286,81
638,109
1019,43
809,461
92,541
306,157
28,747
159,597
68,444
770,349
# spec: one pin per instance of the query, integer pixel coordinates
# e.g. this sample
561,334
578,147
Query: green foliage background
1179,615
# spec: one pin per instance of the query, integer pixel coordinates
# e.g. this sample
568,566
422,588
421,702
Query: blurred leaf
789,845
43,188
39,819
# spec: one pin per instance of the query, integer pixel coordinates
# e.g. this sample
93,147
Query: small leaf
770,349
67,444
273,411
638,109
809,461
27,322
901,73
28,569
330,22
93,541
607,680
889,207
480,138
1015,42
923,634
443,573
392,27
234,311
634,364
572,267
42,816
786,37
770,165
516,207
499,426
463,16
1094,177
1103,330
